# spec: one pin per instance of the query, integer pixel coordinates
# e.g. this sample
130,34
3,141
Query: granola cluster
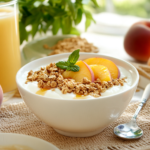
50,77
70,44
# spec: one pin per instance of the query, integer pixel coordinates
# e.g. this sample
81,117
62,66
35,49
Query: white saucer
25,140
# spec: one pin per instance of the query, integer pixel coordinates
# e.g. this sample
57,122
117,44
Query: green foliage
73,57
140,8
89,19
70,63
56,15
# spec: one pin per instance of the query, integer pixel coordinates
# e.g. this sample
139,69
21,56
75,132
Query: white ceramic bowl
8,139
79,118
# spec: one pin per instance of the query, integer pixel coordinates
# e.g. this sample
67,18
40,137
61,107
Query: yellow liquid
10,61
80,96
41,92
15,147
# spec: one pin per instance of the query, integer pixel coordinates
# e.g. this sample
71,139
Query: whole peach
137,41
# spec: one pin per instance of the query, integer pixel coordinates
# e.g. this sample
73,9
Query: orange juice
10,61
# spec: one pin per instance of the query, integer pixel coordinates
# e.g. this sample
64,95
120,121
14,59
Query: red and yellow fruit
94,68
85,71
113,69
137,41
101,72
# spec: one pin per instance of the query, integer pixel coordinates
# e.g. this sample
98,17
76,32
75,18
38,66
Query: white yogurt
33,87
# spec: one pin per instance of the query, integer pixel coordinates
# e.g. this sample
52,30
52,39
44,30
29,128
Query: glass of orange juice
10,61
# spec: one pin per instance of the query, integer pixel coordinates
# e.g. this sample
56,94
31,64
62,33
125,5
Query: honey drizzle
78,96
41,91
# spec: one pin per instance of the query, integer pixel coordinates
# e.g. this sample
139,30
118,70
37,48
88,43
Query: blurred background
139,8
116,16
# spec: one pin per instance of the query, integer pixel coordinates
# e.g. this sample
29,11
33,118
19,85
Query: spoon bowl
131,130
128,130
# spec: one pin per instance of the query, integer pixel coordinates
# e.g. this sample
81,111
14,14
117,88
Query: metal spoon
131,130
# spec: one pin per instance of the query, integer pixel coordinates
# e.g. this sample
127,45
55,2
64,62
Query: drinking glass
10,61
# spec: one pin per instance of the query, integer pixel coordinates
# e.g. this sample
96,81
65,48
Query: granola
70,44
50,77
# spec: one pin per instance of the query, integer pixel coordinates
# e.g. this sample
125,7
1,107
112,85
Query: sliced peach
85,71
113,69
101,72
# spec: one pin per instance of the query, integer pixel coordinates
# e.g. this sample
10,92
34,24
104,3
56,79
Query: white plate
34,49
20,139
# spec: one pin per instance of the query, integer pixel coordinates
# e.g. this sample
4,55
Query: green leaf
79,16
68,68
56,11
95,2
87,23
62,64
74,31
89,19
35,24
66,25
34,29
23,32
89,15
72,8
51,15
30,20
73,57
75,68
56,26
69,64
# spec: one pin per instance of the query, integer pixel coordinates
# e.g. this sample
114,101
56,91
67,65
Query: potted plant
55,15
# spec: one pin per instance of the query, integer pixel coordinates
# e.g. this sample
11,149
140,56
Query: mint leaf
69,64
75,68
73,57
62,64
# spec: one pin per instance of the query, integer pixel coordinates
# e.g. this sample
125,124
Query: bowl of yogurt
69,114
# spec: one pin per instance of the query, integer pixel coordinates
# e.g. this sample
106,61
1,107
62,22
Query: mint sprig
70,63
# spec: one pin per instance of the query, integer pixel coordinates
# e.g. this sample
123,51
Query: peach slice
85,71
101,72
113,69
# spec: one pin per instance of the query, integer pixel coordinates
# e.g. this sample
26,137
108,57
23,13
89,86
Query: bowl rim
63,55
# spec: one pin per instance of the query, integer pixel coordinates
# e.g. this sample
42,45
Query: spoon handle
145,96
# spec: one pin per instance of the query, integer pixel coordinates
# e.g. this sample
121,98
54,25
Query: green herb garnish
70,63
41,16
